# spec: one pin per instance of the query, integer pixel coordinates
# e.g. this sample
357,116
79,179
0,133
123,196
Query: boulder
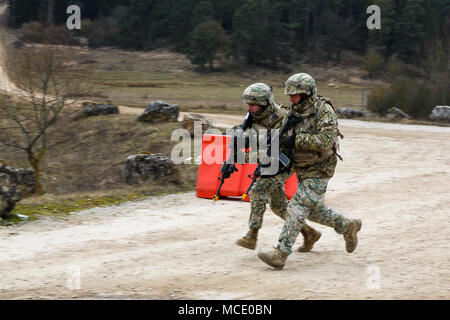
190,119
160,111
397,114
144,166
17,44
441,113
14,184
349,113
94,109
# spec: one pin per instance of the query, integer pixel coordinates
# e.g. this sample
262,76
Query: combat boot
275,258
310,236
249,240
350,237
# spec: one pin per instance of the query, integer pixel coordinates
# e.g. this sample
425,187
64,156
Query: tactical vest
309,125
269,118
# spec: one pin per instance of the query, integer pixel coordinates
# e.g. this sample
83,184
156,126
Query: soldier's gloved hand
227,169
257,172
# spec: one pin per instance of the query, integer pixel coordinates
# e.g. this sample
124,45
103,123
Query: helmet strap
304,96
262,109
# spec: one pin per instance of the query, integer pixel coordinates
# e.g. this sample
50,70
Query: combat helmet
258,93
300,83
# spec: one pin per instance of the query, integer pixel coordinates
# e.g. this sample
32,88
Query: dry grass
89,154
85,164
135,78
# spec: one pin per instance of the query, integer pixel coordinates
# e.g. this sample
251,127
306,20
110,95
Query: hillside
86,160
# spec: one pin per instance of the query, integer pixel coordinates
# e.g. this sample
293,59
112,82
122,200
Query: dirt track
394,177
180,246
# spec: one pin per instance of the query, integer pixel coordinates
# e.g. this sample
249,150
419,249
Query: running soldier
267,114
312,146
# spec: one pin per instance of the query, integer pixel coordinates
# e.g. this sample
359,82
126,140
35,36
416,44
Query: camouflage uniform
313,152
315,161
268,189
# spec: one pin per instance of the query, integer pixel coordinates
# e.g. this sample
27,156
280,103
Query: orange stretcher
214,153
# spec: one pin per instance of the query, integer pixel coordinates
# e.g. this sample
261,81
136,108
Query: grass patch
60,206
136,78
85,164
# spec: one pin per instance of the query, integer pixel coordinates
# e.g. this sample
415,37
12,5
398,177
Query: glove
227,169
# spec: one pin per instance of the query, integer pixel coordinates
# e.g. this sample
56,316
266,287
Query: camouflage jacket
268,119
314,154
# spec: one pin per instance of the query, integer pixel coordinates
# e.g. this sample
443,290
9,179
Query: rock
17,44
94,109
141,167
189,121
397,114
14,184
440,113
160,111
349,113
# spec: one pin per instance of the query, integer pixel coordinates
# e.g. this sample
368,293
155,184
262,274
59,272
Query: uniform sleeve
325,136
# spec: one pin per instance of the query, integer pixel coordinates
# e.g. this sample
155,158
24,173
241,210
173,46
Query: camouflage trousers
268,190
308,202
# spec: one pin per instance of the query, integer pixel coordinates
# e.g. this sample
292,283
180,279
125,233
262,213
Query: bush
32,32
416,98
59,35
373,64
36,32
207,41
104,32
377,100
396,68
86,27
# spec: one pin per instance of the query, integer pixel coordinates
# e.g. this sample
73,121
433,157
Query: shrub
414,97
32,32
396,68
36,32
58,35
104,32
86,27
206,41
373,64
377,100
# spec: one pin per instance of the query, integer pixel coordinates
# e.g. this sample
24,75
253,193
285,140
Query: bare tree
46,84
